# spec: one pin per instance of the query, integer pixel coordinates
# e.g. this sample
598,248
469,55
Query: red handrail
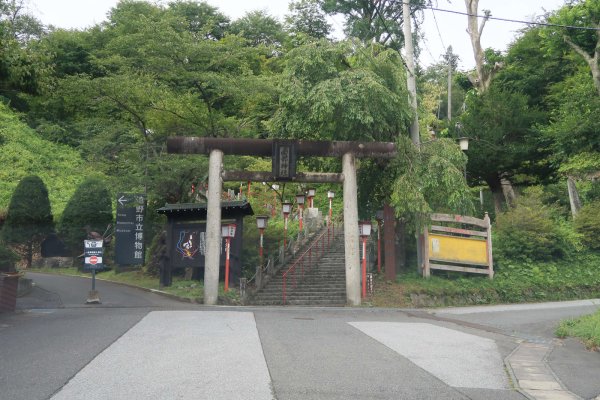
291,271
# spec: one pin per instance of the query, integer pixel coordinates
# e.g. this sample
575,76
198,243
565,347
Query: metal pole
410,66
285,223
261,247
300,217
94,279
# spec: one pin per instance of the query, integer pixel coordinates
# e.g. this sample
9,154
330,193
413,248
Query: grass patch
576,278
586,328
193,290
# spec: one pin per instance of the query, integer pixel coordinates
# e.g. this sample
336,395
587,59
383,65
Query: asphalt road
139,345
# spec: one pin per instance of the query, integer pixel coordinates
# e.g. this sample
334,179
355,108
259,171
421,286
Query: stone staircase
323,285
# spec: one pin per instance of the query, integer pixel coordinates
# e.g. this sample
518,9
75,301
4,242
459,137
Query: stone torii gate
284,155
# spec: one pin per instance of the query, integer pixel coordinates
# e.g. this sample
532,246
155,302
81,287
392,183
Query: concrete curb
528,367
511,374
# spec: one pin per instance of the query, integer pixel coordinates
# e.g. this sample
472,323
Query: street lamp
463,142
300,201
228,232
286,207
310,193
261,223
364,230
379,218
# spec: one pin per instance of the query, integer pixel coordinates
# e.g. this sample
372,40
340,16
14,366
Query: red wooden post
364,268
378,246
227,245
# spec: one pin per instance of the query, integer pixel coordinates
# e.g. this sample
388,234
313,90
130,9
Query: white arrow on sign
122,200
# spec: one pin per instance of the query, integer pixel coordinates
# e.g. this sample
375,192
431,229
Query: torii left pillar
213,228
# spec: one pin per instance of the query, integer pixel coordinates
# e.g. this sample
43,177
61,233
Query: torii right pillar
351,244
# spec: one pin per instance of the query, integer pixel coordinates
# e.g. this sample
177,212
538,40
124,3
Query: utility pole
451,59
410,64
449,86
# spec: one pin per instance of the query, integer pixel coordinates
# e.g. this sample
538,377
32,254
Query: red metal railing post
284,278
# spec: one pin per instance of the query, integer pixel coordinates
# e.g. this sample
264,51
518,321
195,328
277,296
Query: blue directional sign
129,230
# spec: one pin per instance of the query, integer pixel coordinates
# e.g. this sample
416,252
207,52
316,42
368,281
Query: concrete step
295,302
323,282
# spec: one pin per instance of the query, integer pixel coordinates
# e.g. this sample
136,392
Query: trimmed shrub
29,216
527,232
587,223
90,209
7,259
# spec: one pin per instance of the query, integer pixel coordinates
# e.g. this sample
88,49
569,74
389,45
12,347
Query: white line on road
178,355
456,358
518,307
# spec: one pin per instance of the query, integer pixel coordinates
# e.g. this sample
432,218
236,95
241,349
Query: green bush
29,216
527,232
587,223
90,209
7,259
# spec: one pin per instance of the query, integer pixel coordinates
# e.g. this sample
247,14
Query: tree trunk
401,243
573,196
495,186
508,191
484,78
592,61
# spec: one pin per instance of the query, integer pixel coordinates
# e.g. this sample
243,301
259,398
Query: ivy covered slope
23,152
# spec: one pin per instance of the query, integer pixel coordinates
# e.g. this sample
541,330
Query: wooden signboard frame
478,259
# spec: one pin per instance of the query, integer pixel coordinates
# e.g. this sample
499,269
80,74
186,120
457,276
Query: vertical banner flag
129,232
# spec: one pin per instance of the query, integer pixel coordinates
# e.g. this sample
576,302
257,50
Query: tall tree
584,42
89,210
260,29
371,21
29,218
485,70
24,66
202,20
336,91
501,126
307,18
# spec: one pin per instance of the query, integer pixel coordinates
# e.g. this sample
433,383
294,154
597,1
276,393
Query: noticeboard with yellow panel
458,249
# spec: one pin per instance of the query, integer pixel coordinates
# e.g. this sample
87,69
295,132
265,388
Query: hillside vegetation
23,152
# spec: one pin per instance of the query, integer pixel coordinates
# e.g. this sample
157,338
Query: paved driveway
139,345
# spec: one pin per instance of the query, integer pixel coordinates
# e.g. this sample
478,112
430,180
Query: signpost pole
93,254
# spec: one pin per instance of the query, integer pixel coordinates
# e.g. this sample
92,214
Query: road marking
178,355
457,358
518,307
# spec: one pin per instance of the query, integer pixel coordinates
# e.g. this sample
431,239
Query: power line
438,28
584,28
